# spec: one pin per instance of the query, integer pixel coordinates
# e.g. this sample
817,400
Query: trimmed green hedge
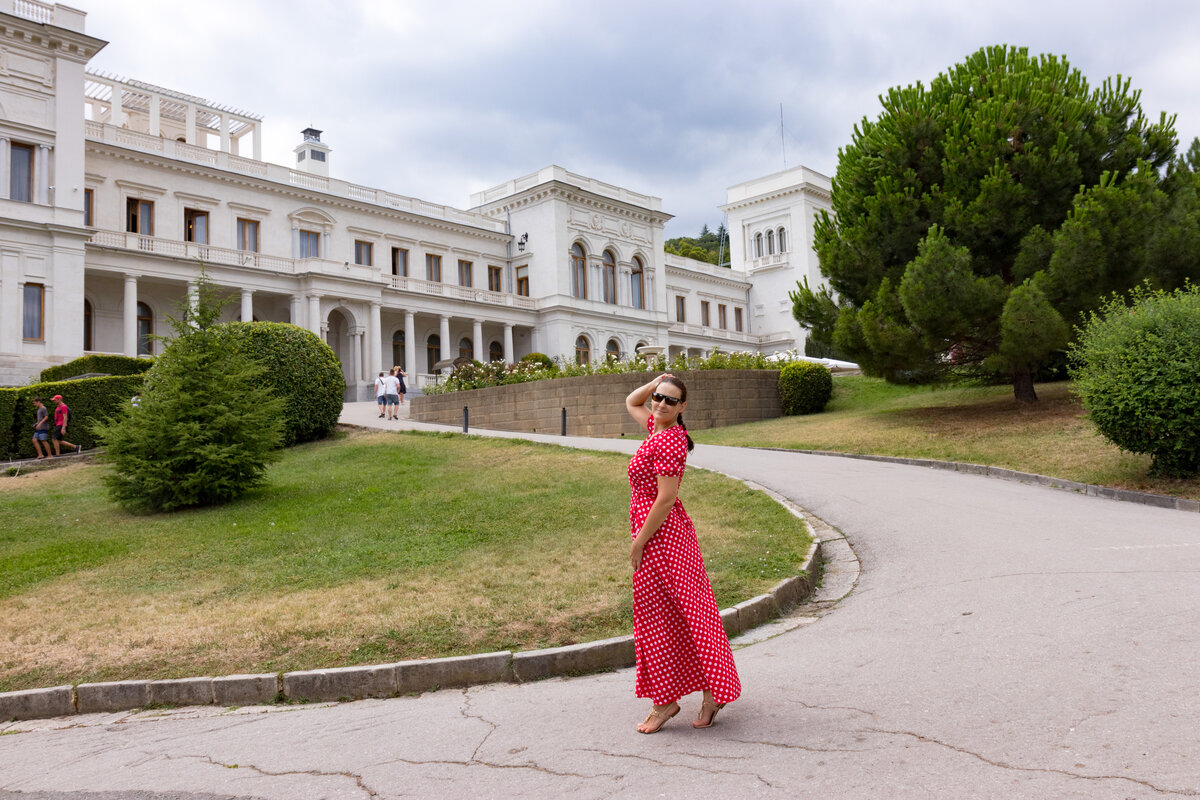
98,362
301,369
804,387
88,398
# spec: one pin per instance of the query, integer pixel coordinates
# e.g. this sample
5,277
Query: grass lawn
366,549
980,425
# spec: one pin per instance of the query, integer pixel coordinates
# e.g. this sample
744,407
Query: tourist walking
41,429
62,416
679,641
381,393
400,376
391,395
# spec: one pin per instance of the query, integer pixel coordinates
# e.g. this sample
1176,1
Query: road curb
1091,490
404,677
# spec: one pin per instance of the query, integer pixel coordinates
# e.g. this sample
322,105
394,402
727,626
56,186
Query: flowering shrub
478,376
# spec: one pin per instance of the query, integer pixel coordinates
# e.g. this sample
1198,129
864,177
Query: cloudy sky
675,99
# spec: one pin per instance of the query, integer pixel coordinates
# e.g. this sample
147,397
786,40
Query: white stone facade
108,216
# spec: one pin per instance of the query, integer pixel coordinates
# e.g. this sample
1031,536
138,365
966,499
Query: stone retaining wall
595,404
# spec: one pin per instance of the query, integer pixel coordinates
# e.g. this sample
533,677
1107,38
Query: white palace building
115,193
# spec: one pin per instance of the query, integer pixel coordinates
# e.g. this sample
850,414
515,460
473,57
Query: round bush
538,358
804,387
301,369
1136,370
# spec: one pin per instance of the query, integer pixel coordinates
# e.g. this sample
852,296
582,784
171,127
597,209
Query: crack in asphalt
466,707
266,773
661,763
1047,770
805,748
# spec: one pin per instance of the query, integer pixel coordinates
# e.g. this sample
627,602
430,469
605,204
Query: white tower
312,155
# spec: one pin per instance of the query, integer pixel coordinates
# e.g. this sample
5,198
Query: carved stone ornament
597,221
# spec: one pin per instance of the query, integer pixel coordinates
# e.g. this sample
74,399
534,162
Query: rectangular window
433,268
523,281
310,244
680,309
35,297
20,175
247,234
400,262
495,279
139,216
704,313
364,253
195,226
721,316
737,320
88,199
465,273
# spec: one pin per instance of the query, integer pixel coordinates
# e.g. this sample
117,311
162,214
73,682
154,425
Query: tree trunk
1022,381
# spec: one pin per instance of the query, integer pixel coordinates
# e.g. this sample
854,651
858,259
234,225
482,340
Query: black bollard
466,414
564,422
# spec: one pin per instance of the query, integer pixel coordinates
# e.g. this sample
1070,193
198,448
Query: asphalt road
1003,641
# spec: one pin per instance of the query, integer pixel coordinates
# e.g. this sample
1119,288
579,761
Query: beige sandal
660,716
707,711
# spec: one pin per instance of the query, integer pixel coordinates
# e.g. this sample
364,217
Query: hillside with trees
705,247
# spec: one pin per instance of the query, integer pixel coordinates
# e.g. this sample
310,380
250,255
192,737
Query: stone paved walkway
1003,641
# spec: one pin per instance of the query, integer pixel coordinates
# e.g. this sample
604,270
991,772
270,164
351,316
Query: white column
325,246
5,161
42,190
258,141
190,124
131,300
155,124
477,340
356,348
247,305
295,241
294,310
314,314
410,345
117,113
374,343
508,343
224,133
444,336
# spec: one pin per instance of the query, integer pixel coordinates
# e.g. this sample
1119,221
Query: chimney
312,155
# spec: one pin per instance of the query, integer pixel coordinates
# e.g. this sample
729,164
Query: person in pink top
679,641
62,416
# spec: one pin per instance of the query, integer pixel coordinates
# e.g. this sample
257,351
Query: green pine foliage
980,217
105,363
804,387
1136,367
300,369
206,428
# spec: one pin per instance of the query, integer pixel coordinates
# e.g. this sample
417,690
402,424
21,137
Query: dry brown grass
976,425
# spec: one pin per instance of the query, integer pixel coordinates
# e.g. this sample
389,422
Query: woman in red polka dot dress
678,637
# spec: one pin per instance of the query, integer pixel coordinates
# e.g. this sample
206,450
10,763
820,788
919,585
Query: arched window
637,347
612,350
758,251
583,351
578,272
495,352
770,242
145,329
637,283
610,277
782,240
398,350
433,350
87,324
466,349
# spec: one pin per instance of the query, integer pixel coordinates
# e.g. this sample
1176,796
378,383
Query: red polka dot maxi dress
680,644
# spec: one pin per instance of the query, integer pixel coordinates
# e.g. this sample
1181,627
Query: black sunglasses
664,398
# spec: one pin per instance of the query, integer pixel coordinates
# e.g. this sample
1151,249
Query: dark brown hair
683,399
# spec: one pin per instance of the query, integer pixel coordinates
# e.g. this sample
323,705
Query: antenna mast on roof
782,141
